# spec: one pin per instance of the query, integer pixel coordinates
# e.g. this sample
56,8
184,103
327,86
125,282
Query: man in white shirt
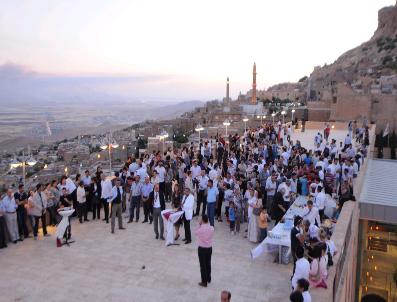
187,207
320,201
133,167
302,267
202,189
333,149
312,214
271,185
303,287
161,174
10,206
87,179
141,172
348,140
81,202
196,171
106,193
285,156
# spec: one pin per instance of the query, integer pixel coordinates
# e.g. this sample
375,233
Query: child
262,223
232,217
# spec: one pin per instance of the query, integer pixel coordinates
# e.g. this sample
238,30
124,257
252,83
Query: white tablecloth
169,218
280,234
61,228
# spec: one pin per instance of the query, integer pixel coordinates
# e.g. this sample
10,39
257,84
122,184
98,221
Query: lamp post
245,120
283,114
259,117
25,161
226,124
292,115
199,128
109,144
273,115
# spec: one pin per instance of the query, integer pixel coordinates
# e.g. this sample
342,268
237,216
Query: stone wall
350,105
319,111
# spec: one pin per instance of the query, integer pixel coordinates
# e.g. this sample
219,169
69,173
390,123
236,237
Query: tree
141,143
302,79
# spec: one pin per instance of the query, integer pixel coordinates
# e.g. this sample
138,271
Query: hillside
376,57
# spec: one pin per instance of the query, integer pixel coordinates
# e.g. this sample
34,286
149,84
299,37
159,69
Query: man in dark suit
158,205
295,238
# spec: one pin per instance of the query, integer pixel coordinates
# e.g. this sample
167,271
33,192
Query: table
280,234
61,227
170,217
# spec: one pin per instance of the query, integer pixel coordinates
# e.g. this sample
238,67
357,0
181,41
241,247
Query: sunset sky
183,49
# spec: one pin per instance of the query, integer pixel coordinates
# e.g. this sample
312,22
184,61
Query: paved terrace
105,267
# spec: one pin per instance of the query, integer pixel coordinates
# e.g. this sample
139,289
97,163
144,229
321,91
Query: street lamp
283,113
226,124
25,161
199,128
245,120
273,115
109,143
292,115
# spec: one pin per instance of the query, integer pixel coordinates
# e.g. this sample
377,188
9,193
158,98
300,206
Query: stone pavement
307,138
100,266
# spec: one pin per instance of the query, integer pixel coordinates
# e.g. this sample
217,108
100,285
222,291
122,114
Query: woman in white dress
253,202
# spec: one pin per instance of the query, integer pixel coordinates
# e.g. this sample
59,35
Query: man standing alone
115,201
205,233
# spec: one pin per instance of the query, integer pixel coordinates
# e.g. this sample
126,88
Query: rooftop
378,199
380,182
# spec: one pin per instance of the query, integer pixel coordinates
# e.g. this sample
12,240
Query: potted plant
393,144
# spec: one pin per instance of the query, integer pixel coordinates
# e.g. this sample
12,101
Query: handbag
256,211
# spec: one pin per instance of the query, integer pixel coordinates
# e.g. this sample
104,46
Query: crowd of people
249,180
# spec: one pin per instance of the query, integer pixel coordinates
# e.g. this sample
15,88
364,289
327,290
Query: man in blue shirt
147,188
212,195
136,196
10,206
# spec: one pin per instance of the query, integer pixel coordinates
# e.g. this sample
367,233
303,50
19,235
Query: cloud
12,71
20,84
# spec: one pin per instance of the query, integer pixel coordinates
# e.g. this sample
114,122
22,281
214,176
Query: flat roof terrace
100,266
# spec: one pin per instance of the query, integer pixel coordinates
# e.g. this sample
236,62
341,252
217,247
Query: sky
177,49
